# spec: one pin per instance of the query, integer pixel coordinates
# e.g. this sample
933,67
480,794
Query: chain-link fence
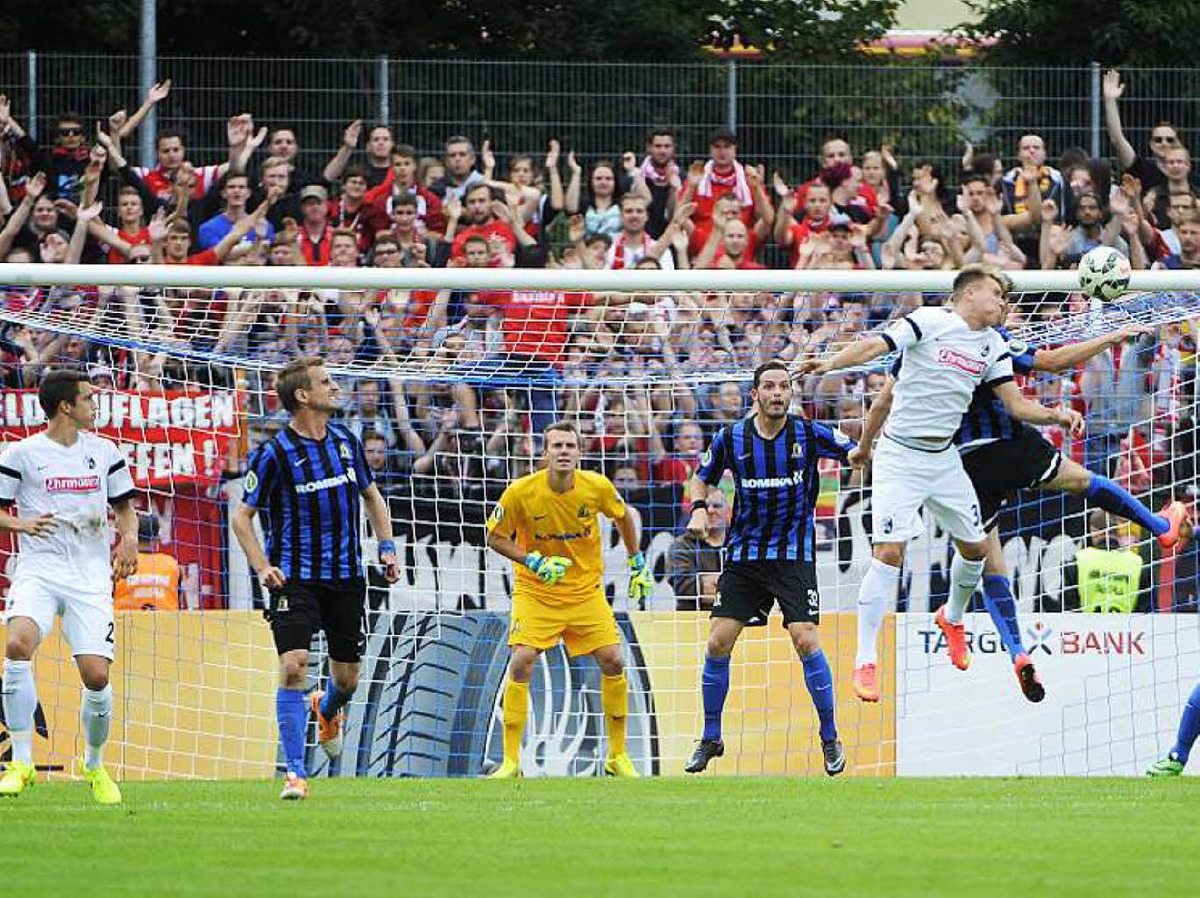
781,112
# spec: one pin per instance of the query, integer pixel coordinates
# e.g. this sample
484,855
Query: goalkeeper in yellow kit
546,523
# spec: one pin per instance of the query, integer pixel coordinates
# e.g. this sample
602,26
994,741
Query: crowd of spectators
649,378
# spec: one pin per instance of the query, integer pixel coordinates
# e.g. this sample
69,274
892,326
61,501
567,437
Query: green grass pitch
685,837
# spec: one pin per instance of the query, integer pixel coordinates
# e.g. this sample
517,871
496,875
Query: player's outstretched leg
876,592
20,703
516,710
1112,497
614,697
95,718
1189,730
818,678
723,633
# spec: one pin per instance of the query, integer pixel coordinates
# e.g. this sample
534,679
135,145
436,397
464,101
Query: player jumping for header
947,352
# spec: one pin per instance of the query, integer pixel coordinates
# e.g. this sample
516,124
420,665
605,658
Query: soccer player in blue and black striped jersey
770,550
307,481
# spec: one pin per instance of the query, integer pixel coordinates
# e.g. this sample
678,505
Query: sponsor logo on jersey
960,360
316,486
86,484
565,537
771,483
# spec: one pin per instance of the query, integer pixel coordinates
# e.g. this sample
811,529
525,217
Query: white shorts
87,617
904,479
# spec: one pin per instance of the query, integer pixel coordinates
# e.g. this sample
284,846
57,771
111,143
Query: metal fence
781,112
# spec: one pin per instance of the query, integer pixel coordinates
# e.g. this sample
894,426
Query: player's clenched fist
550,569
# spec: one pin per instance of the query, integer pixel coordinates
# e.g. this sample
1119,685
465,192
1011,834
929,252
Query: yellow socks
614,695
516,710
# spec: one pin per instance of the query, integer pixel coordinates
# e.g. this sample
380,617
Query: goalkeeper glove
641,579
550,569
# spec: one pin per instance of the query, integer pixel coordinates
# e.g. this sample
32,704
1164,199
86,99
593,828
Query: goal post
449,375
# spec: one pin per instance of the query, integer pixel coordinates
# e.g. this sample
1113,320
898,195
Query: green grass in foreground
705,836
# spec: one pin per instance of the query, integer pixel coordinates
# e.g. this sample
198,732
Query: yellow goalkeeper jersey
565,524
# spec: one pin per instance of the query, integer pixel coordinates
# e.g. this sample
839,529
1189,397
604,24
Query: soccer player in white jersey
946,353
63,481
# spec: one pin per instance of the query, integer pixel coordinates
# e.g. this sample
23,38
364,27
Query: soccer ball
1103,273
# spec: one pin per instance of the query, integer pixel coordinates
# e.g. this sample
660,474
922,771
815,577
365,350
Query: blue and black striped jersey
986,420
308,492
775,486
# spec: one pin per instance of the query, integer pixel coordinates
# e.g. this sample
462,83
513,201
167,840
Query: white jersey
75,484
943,362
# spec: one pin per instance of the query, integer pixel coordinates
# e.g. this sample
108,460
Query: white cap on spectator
314,192
101,371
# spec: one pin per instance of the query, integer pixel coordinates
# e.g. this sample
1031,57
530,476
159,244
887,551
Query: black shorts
748,589
998,469
302,608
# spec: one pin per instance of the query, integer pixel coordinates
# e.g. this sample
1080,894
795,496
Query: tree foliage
1076,32
614,30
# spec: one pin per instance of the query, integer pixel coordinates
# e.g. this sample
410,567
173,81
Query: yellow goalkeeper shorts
584,626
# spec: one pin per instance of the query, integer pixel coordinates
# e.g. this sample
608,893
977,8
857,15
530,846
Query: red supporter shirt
487,231
316,252
160,182
115,257
536,323
208,257
429,206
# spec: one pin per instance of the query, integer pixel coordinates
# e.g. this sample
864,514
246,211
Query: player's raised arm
857,353
1064,357
1023,409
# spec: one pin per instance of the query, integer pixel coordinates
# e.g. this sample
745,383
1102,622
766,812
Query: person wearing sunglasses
1152,170
63,163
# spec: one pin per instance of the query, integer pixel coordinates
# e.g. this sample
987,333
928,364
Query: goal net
449,376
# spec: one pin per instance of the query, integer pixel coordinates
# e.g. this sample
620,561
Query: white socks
20,701
875,594
95,713
964,580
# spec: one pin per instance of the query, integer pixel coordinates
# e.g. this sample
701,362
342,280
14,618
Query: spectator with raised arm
234,190
1150,170
63,163
380,143
600,203
476,216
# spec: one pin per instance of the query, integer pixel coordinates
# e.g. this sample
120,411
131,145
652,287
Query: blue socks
1189,728
998,600
714,686
334,701
1108,495
819,680
291,710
